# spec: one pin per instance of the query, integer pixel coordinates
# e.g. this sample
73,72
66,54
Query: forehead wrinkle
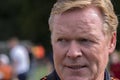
60,30
90,36
63,29
87,32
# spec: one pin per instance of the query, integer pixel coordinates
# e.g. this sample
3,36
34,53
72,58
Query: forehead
75,13
80,18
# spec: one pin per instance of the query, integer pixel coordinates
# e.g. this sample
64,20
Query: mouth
76,67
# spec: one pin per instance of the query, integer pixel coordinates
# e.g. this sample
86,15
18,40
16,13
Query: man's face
80,48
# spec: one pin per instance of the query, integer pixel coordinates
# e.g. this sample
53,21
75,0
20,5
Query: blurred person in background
83,35
38,52
115,64
4,58
6,71
20,58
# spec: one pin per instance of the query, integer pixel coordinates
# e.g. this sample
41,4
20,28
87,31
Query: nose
74,50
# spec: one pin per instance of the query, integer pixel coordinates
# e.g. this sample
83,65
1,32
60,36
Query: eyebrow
86,35
91,36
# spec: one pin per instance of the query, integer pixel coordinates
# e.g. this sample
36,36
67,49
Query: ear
112,43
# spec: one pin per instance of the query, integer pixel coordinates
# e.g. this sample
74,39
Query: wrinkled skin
80,48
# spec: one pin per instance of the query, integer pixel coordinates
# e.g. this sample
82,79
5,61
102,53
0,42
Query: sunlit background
28,21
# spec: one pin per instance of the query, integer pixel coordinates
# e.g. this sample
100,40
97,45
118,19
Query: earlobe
112,44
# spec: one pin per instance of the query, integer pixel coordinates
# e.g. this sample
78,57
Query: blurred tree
27,19
34,21
8,16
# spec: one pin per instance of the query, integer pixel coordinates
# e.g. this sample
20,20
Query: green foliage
27,19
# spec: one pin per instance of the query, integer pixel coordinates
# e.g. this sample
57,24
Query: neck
103,76
100,76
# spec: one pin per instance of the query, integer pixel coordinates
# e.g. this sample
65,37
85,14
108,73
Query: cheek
97,57
94,54
58,53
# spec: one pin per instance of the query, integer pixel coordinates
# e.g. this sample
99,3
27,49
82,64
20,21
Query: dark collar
107,75
54,76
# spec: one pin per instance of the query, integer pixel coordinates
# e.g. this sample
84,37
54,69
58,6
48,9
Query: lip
76,67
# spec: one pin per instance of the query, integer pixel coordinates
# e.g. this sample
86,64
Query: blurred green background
28,19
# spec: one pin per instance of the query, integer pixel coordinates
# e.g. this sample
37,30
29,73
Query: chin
76,78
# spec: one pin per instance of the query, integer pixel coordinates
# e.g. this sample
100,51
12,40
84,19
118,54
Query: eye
62,40
85,41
